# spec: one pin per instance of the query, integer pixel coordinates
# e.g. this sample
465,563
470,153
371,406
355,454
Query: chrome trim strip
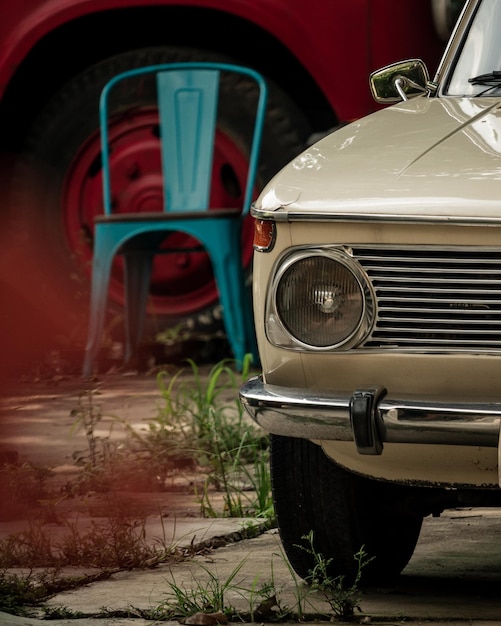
281,214
318,415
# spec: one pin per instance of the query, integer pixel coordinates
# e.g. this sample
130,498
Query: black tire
344,511
59,239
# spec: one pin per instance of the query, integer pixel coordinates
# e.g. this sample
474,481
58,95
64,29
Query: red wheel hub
182,282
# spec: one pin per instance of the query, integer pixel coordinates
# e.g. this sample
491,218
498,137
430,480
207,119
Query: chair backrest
187,95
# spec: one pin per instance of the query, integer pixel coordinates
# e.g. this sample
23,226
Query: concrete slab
453,577
455,574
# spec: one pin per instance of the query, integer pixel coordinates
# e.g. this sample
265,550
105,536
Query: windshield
477,69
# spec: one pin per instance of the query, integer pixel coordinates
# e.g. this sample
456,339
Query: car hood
437,159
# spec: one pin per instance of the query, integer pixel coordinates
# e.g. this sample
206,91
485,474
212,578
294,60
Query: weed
26,482
246,487
208,594
94,460
203,596
20,593
258,476
300,591
196,408
17,592
342,597
270,607
32,547
60,612
117,542
107,462
200,422
202,419
88,415
164,444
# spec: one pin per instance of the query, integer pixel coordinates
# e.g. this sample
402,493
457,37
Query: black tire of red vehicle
56,192
345,512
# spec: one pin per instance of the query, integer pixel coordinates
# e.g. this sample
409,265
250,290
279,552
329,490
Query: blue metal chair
187,96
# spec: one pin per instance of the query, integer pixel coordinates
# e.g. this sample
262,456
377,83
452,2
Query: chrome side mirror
399,81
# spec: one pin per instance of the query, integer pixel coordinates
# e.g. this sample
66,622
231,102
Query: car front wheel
343,511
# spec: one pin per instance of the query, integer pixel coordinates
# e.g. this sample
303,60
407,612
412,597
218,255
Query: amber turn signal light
264,235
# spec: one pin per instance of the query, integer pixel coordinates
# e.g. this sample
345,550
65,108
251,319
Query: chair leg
138,266
229,280
99,294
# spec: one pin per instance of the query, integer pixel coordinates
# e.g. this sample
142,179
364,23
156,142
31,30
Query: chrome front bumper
369,417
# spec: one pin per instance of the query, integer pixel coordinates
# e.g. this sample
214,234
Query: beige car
377,301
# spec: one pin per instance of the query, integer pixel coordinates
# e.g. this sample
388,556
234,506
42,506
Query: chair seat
168,217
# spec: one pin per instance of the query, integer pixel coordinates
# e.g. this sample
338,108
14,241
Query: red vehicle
55,56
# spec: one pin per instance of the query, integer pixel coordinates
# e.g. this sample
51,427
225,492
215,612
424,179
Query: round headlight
319,300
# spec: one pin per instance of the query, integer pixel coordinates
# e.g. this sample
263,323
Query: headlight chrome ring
320,299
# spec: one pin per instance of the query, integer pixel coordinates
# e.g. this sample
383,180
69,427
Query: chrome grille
430,297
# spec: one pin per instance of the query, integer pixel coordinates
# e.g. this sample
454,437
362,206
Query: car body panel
432,466
396,164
